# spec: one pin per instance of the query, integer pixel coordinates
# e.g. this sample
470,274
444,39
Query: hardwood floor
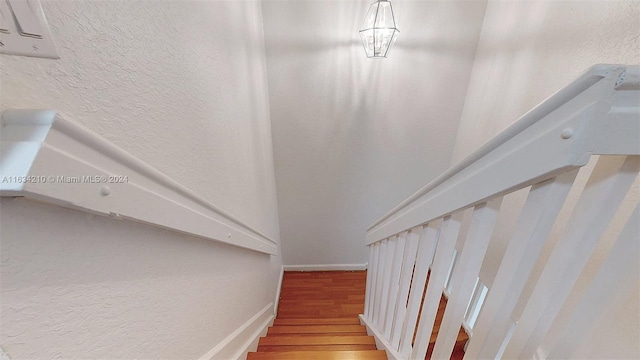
318,319
322,294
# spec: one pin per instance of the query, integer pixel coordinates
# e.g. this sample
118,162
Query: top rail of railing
560,127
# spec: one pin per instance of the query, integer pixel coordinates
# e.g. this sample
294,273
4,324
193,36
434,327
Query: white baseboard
325,267
244,339
381,343
278,290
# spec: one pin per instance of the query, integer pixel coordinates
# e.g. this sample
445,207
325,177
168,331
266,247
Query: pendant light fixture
379,31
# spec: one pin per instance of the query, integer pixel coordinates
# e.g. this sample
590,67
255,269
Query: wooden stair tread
316,329
317,340
319,355
462,336
337,347
321,334
317,321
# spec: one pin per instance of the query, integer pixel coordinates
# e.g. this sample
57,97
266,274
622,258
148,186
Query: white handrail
597,114
597,84
41,145
587,79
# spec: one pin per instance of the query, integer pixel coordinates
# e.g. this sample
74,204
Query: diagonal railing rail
443,232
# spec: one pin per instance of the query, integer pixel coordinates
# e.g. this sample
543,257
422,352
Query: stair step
305,311
316,329
319,334
317,340
462,336
315,347
319,355
317,321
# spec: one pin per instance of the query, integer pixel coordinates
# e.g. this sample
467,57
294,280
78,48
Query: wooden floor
318,319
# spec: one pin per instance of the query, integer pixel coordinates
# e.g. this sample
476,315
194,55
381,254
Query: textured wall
527,51
355,136
182,86
76,286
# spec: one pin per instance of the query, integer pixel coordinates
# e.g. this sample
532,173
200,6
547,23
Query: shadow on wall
529,50
76,285
354,136
92,249
324,36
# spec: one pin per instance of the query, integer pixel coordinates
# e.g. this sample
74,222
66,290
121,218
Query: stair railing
443,232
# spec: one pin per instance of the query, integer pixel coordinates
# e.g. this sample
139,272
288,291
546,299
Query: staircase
461,340
318,319
458,350
573,160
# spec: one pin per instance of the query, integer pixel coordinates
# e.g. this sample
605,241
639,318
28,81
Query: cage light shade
379,31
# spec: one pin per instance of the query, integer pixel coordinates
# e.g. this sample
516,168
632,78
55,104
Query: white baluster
388,262
374,279
606,187
465,275
413,239
538,215
616,274
428,239
395,283
379,281
367,296
439,269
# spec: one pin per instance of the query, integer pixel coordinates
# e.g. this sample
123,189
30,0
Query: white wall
182,86
355,136
530,49
526,52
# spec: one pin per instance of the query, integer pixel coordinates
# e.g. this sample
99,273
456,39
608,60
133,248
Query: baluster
465,275
617,273
379,281
606,187
367,296
394,285
374,280
538,215
428,239
388,262
439,269
413,239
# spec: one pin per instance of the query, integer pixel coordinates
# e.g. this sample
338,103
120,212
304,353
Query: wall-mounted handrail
42,148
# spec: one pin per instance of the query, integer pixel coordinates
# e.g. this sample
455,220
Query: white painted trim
278,291
559,134
381,341
590,77
43,145
4,355
244,339
326,267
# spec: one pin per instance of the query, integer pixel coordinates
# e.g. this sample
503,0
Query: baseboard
244,339
381,342
278,290
325,267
